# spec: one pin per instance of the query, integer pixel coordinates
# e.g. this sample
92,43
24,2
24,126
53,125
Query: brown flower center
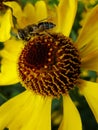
49,65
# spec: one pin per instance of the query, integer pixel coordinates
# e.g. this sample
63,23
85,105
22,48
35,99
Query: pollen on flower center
49,65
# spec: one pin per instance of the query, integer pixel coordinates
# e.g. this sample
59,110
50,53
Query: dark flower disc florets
49,65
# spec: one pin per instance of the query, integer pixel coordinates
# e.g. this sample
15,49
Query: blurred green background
88,120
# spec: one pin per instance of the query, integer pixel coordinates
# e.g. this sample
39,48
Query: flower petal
87,41
71,118
66,15
26,112
8,74
9,54
5,26
90,91
29,13
41,10
17,11
90,62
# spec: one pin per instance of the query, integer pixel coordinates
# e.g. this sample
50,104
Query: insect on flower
34,29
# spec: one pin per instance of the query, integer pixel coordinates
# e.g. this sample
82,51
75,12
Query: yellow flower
88,5
31,111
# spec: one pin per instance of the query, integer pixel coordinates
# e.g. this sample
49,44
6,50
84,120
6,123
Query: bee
34,29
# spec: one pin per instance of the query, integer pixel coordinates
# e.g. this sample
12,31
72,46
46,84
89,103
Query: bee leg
34,34
27,38
39,34
48,33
